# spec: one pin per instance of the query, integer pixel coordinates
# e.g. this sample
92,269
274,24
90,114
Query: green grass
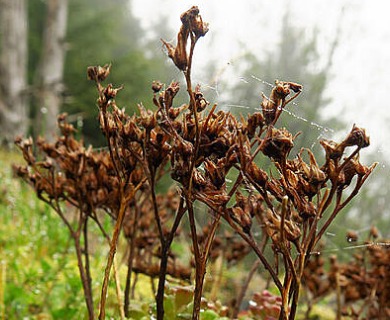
39,277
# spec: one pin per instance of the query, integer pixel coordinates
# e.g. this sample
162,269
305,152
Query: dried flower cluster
70,171
199,146
362,286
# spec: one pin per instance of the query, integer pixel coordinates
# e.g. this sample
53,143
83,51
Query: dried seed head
200,102
110,93
191,24
295,86
280,91
312,173
98,73
215,172
357,137
147,117
157,86
352,236
258,175
269,109
199,28
242,218
193,21
306,209
255,120
374,232
170,93
278,145
352,168
178,54
132,131
332,150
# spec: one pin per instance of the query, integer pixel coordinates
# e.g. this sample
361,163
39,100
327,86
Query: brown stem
114,241
244,288
201,270
83,276
340,206
76,238
110,259
164,260
86,255
130,262
155,208
198,260
134,285
249,239
283,220
294,303
114,266
199,266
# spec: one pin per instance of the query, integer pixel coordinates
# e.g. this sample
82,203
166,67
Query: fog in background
358,84
361,66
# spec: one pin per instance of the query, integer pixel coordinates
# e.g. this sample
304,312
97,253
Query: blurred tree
103,32
49,81
295,59
99,32
13,70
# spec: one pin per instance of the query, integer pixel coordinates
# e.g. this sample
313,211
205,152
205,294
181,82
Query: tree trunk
50,79
13,70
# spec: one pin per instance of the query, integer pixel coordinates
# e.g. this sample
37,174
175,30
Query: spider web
335,241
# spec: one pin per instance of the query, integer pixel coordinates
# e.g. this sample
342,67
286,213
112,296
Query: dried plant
199,146
362,286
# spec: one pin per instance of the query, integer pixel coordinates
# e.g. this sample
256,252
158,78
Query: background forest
45,49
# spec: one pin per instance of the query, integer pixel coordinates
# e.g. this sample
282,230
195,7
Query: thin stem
201,269
86,255
244,288
114,241
110,259
76,238
294,303
249,239
198,259
283,219
83,275
130,261
164,260
155,208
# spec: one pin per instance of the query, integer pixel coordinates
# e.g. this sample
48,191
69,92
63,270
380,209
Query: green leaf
169,307
137,314
208,315
64,313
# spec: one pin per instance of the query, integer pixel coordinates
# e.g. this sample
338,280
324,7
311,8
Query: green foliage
98,32
39,278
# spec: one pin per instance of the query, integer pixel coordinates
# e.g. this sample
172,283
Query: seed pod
242,218
278,145
357,137
256,120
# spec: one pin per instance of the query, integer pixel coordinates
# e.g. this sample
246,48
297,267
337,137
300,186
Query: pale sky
359,84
